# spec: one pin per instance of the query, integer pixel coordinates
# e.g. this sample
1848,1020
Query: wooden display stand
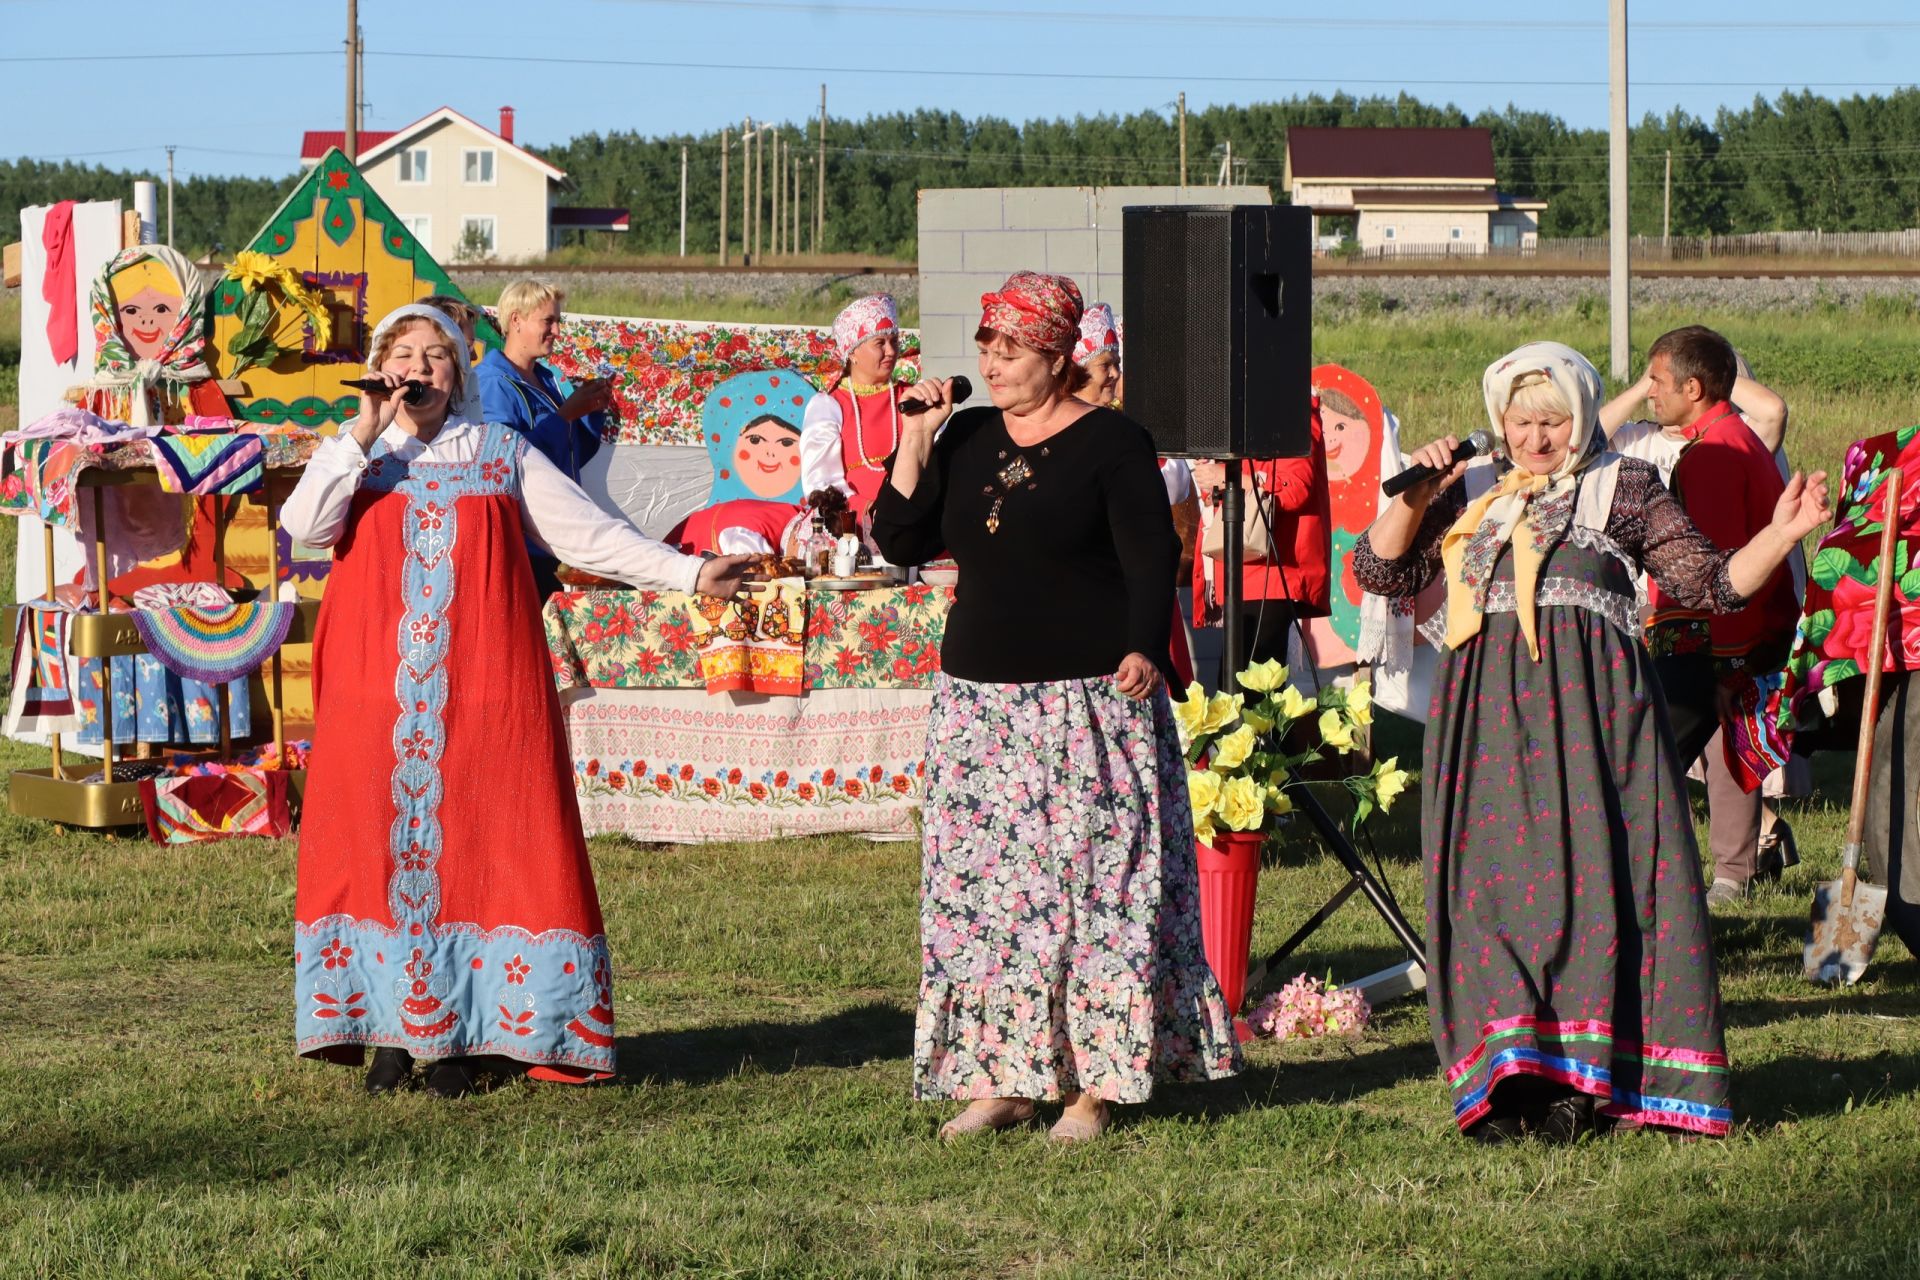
52,794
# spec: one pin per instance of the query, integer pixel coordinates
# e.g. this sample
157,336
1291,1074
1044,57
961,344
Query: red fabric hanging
57,286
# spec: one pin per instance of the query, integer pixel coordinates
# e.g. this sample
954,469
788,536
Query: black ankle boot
392,1069
450,1078
1567,1119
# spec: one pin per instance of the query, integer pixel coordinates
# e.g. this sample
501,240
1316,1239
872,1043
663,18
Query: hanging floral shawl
1529,512
127,381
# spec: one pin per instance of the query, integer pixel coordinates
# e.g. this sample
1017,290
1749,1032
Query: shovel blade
1842,936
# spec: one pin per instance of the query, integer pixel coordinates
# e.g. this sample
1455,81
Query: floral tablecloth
886,639
657,757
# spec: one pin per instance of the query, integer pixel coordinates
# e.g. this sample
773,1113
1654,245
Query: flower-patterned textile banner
1837,622
884,639
680,766
663,369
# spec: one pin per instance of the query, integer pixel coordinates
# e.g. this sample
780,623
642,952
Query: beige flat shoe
987,1115
1073,1128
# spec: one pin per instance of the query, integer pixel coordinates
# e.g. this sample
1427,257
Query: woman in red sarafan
446,908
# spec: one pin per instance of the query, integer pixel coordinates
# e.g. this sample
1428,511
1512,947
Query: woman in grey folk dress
1571,974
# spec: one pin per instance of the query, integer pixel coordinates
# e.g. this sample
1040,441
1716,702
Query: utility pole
353,84
820,180
773,227
723,195
360,80
169,197
1666,207
683,200
793,204
746,193
759,186
1183,139
1618,299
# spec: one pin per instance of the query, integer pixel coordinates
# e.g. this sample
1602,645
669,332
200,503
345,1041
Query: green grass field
154,1122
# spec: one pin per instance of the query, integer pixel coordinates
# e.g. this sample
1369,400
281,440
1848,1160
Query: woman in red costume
851,429
445,908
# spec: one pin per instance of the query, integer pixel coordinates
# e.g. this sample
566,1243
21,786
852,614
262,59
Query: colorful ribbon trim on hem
1621,1104
215,645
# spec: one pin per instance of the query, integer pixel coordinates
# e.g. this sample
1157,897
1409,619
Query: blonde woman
445,908
1569,961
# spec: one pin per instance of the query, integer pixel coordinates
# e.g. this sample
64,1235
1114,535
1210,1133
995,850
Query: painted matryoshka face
1348,441
146,318
767,457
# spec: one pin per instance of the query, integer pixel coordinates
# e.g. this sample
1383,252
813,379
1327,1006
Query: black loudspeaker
1219,321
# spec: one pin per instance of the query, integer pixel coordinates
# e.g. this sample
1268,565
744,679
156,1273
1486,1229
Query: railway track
1733,271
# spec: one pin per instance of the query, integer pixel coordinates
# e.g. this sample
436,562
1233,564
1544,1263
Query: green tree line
1796,162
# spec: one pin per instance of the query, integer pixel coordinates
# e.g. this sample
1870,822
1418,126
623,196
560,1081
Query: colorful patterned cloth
239,802
662,370
209,463
864,318
1060,904
1837,620
152,704
215,645
1035,310
41,699
883,639
753,644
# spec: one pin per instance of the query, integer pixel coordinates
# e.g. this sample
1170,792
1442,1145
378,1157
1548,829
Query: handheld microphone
414,390
1472,447
961,390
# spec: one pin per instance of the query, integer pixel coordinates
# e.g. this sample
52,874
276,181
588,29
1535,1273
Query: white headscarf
467,408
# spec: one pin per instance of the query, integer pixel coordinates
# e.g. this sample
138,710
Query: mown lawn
154,1122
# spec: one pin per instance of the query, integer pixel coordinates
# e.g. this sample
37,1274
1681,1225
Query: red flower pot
1229,875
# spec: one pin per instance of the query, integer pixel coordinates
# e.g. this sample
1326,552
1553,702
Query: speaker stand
1359,878
1233,564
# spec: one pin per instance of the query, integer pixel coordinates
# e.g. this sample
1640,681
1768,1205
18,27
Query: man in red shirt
1729,484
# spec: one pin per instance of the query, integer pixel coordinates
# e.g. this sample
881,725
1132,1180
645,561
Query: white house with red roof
467,192
1420,190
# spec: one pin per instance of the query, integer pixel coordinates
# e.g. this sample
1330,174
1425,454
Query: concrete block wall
972,239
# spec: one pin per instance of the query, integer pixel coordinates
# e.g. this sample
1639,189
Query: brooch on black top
1011,477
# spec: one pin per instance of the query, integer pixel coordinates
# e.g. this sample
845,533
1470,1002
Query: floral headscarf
863,319
1099,335
1035,310
1528,511
116,370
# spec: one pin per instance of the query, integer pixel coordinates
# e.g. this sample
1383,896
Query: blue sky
767,59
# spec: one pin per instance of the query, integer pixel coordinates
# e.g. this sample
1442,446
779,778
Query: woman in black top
1060,925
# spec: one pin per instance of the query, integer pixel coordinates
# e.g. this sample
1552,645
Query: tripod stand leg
1360,878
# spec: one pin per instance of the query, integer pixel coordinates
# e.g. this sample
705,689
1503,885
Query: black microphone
414,392
1472,447
961,390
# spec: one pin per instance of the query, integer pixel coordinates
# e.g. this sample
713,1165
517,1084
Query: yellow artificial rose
1189,713
1203,828
1203,789
1335,732
1389,783
1255,721
1242,804
1232,751
1278,801
1360,703
1279,778
1264,677
1222,710
1294,704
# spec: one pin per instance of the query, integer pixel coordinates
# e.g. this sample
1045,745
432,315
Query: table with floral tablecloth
658,757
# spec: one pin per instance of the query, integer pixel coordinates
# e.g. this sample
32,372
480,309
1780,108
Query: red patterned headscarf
1035,310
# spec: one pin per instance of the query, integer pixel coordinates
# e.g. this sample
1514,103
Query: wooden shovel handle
1876,656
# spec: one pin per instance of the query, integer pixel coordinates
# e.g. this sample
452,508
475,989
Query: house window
478,166
413,164
476,239
1453,233
1386,233
422,228
1506,235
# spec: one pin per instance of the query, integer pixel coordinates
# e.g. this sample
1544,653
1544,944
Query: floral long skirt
1060,908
